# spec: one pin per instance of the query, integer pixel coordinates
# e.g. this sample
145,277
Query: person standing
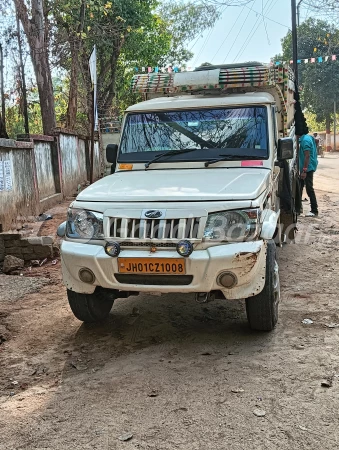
308,163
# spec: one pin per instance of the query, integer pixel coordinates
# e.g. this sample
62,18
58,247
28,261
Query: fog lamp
86,276
112,249
184,248
227,280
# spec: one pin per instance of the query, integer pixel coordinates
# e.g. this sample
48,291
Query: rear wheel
262,309
290,202
91,308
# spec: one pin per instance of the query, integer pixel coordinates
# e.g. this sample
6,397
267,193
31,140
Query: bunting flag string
176,69
313,60
167,69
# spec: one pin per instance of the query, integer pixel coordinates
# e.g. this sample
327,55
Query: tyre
290,202
91,308
262,309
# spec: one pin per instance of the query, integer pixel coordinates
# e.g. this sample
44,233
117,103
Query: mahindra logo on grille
153,214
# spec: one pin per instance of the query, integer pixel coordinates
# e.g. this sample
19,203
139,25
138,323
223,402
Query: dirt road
176,374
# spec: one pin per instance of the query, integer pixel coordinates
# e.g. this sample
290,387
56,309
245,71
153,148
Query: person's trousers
308,182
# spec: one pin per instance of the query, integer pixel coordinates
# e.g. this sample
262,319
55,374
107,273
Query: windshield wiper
229,158
169,154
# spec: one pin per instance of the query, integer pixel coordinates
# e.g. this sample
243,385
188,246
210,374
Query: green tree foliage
127,34
320,80
185,21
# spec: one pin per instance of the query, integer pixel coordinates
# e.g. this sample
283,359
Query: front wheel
91,308
262,309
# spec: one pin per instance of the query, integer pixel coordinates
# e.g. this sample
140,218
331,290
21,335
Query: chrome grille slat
155,230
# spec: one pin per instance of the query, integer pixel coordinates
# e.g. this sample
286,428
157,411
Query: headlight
83,224
232,225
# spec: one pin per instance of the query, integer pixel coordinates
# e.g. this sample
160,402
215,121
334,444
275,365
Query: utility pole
3,108
22,76
294,39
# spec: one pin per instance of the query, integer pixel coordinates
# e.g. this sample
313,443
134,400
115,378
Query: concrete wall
75,157
41,172
44,168
20,199
68,145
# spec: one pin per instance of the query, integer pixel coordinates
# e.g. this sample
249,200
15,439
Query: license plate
171,266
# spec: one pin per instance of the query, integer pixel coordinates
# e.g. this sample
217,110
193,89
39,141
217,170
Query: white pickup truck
193,204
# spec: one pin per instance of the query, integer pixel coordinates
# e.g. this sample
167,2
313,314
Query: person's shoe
305,200
311,214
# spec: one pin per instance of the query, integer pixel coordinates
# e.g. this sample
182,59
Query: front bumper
247,260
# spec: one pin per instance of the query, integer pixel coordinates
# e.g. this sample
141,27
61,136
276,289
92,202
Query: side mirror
285,149
111,155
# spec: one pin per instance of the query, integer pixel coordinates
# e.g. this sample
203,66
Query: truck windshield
235,131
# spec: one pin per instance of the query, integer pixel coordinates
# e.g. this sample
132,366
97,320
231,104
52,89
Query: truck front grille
145,229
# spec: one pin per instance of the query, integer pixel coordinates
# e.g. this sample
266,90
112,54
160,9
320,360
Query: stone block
44,251
27,250
24,242
56,250
12,263
11,250
2,249
12,243
34,240
47,240
10,236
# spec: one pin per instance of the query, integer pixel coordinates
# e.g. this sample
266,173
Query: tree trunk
72,107
3,132
107,93
36,30
76,47
328,133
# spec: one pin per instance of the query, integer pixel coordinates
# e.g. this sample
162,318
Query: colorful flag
334,57
312,60
320,59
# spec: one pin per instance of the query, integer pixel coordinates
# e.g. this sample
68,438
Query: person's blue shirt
307,143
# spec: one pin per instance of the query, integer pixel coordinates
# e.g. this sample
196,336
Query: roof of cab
202,101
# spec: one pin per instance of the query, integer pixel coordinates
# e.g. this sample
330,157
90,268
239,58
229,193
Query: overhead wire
228,34
207,39
263,19
268,7
269,19
253,30
235,40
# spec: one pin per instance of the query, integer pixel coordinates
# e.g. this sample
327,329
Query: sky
250,33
